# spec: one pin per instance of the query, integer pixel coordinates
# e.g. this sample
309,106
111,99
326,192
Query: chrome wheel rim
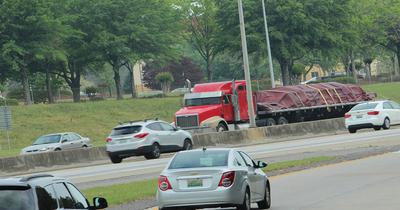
156,151
387,123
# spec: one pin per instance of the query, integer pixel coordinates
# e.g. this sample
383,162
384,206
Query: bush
91,91
17,94
65,92
343,80
10,102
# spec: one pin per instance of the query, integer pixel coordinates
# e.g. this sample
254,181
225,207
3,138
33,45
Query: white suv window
167,127
155,127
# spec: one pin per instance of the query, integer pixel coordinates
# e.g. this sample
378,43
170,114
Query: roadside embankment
75,158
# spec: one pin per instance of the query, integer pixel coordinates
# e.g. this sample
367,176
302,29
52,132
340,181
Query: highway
108,174
370,183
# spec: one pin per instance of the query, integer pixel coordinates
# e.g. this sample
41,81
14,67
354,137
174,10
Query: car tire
155,152
57,149
221,127
266,203
246,205
115,159
187,145
352,130
84,146
377,128
386,124
282,121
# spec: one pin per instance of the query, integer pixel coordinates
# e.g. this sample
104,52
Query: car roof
209,149
34,180
51,134
138,122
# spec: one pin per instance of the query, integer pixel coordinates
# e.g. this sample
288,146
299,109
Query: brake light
141,135
347,115
373,113
227,179
108,139
164,184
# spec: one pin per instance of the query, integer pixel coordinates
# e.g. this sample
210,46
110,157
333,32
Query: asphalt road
108,174
370,183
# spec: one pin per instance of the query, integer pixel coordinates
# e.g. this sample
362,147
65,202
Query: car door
173,139
78,197
75,141
159,134
256,178
387,108
66,142
396,111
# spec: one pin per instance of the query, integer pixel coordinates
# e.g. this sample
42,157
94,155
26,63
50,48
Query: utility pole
271,68
249,91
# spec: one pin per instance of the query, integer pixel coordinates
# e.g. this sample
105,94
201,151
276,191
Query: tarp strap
329,93
319,91
299,98
338,95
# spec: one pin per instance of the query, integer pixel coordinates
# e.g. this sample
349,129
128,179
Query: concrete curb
39,162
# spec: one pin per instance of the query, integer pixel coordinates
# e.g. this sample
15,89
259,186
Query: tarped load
310,95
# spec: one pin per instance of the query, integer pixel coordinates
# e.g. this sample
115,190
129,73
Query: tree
79,43
181,70
296,28
26,34
204,32
152,33
165,79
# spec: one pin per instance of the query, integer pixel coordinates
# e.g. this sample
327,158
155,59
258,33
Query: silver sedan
208,178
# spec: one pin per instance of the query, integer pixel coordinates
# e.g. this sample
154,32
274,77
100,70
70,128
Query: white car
376,114
148,137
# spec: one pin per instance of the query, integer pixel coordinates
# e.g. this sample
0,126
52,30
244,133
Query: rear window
364,106
16,198
199,159
126,130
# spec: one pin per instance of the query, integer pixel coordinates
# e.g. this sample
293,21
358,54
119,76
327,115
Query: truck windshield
202,101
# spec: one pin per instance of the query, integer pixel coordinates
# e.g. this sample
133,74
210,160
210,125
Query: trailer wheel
271,122
282,121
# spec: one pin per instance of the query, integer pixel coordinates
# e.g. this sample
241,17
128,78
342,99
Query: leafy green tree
78,43
165,79
297,27
204,32
26,32
124,34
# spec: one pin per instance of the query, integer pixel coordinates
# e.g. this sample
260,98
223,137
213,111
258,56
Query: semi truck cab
214,105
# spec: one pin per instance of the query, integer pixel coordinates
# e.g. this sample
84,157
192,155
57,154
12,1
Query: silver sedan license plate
195,183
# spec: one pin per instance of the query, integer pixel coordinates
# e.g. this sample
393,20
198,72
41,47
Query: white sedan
376,114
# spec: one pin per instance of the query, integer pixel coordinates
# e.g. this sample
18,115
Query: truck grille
187,121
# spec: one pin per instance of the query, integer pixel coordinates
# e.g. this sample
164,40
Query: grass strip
129,192
296,163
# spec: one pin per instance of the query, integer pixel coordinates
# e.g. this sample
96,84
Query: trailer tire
282,121
271,122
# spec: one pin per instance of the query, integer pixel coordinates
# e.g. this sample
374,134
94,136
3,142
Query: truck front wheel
271,122
221,127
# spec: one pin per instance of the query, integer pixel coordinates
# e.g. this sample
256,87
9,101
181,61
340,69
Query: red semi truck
215,105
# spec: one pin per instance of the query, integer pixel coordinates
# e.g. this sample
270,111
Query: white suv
148,137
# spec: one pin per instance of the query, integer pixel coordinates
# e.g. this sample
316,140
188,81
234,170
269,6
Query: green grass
296,163
90,119
124,193
129,192
385,90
